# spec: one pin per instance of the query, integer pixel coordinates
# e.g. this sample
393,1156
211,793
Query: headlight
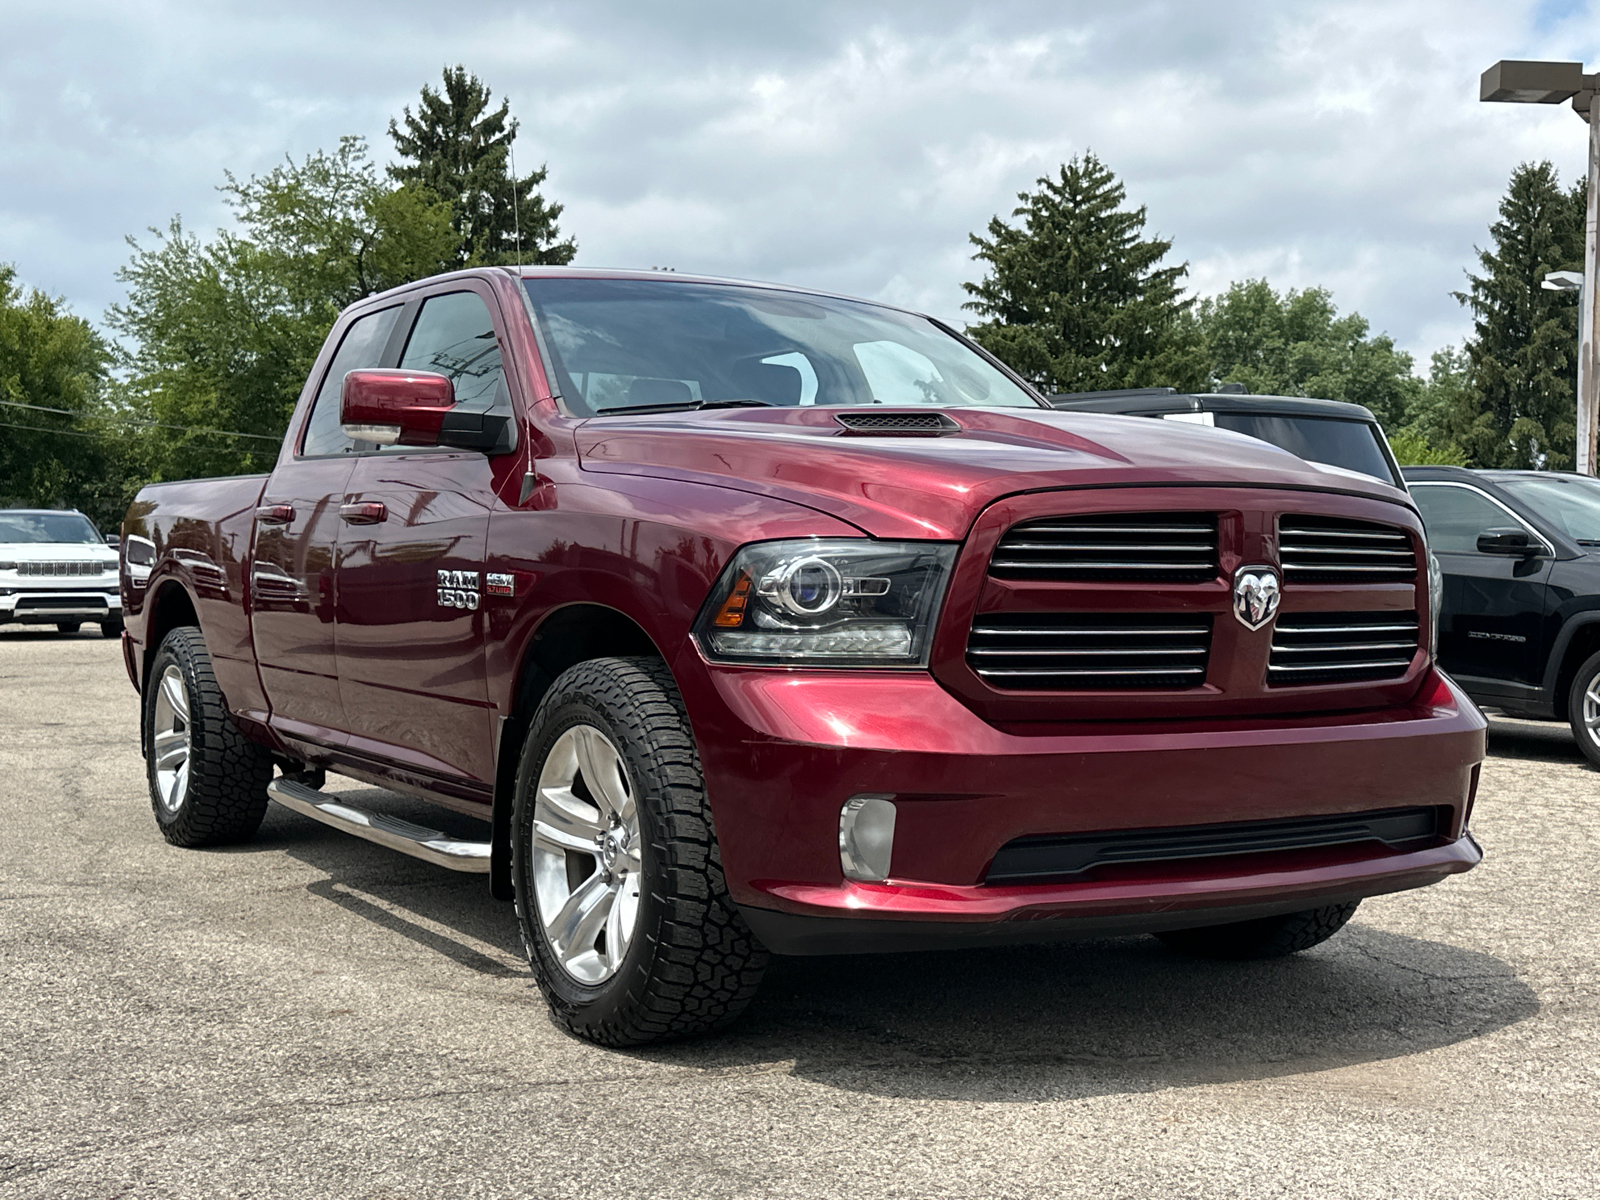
841,602
1435,602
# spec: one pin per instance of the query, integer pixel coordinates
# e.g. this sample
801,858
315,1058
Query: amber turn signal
731,614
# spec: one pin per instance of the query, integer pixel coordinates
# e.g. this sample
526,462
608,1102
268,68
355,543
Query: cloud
847,146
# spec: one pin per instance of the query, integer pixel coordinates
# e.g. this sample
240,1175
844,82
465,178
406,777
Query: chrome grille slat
1094,652
1147,547
1345,655
1337,550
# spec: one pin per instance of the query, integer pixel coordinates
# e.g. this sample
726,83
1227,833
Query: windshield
620,344
1352,445
47,527
1571,505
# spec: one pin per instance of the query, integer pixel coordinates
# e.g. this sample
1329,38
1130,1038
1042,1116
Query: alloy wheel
1591,710
586,854
170,741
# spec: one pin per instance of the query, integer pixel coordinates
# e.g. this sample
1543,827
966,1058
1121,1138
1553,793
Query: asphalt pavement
314,1016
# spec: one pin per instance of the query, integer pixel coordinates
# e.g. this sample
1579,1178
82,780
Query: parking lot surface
311,1015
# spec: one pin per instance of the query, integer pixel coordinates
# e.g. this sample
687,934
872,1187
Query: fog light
866,837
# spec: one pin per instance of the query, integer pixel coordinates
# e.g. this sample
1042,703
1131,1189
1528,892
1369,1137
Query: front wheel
208,784
111,627
621,901
1266,937
69,626
1583,708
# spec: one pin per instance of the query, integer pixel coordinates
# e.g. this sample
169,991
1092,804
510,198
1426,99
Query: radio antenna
516,186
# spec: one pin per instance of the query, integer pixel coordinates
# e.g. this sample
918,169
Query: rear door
296,534
411,623
1491,623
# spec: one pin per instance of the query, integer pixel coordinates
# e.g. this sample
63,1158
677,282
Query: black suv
1519,628
1330,432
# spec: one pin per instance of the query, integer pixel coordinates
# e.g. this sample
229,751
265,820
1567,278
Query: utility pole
1556,83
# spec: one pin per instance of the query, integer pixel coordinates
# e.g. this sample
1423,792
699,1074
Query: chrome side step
427,844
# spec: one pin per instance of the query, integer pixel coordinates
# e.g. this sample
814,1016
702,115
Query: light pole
1556,83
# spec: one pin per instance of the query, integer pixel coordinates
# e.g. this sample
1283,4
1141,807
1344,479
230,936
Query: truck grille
62,568
1038,859
1333,550
1341,647
1143,547
1090,651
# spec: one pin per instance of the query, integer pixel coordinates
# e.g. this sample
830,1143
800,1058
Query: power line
68,412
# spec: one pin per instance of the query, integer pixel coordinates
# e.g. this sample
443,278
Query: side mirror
113,540
395,408
1514,543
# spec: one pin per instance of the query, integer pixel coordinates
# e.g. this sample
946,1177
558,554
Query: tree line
201,365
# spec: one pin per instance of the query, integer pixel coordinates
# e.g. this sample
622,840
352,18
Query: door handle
370,513
275,514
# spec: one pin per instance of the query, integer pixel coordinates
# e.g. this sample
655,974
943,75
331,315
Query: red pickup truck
755,620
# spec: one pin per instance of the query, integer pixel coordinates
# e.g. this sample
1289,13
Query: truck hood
53,552
935,486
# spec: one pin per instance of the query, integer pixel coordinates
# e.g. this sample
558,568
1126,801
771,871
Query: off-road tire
69,626
111,628
226,796
1268,937
1588,739
693,964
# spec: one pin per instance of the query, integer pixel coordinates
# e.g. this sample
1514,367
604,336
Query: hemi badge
500,585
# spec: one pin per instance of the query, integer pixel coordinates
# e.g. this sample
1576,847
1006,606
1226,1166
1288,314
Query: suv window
1352,445
362,346
454,336
1456,515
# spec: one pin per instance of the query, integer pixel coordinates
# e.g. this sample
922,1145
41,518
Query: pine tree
1522,358
458,149
1076,296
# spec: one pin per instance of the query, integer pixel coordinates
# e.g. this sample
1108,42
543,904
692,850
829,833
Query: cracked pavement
315,1016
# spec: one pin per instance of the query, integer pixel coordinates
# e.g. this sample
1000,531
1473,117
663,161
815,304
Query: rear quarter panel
199,538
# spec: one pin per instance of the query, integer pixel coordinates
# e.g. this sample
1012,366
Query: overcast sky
846,145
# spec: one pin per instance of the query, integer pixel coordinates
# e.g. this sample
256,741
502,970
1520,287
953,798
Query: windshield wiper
691,406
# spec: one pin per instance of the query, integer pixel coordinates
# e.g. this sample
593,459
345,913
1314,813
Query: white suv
55,569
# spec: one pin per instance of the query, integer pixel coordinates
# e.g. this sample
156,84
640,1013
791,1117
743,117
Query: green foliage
225,332
50,359
1296,344
1075,296
459,150
1413,450
1518,407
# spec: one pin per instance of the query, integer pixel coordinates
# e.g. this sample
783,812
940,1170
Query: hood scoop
897,424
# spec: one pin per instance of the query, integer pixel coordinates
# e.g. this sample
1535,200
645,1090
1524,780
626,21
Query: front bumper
40,606
783,751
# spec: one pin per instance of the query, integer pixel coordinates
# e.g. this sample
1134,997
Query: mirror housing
418,408
1515,543
395,408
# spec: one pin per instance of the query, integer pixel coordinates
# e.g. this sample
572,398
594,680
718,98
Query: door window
454,336
362,346
1455,516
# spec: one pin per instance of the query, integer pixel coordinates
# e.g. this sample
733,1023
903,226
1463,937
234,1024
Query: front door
411,622
297,529
1491,624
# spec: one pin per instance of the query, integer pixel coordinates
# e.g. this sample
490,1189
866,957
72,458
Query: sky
840,144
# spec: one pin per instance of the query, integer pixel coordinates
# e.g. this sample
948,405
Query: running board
427,844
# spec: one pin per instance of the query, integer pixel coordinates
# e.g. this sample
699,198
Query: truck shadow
1012,1024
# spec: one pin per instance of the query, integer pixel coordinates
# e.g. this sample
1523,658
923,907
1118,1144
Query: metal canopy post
1519,82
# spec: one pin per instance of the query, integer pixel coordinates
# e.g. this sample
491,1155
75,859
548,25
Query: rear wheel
1268,937
208,784
69,626
1583,708
620,894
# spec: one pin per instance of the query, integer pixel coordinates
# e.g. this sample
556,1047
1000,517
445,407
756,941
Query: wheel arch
567,635
1578,639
